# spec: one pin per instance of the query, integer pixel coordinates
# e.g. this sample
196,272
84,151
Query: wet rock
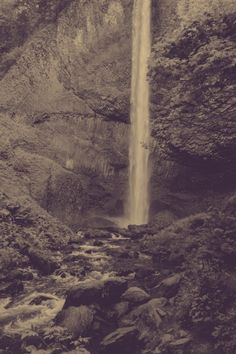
10,343
77,320
169,286
13,288
42,260
138,231
40,299
31,338
77,351
24,217
163,219
21,274
98,223
112,290
123,340
13,207
143,272
96,291
100,234
146,318
121,309
180,342
230,205
4,214
98,243
218,232
167,338
135,295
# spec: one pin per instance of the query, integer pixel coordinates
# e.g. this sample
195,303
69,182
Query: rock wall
65,80
65,73
192,72
79,60
72,165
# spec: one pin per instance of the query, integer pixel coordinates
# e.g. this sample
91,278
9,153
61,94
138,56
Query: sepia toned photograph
117,177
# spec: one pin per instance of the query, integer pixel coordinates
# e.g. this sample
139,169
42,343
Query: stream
84,259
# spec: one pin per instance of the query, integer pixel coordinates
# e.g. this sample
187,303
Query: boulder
138,231
13,288
42,261
135,295
230,205
169,286
31,338
180,342
98,243
21,274
146,318
123,340
96,291
100,234
121,309
4,214
24,217
77,320
77,351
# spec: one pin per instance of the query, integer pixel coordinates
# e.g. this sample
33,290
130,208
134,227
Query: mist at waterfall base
139,172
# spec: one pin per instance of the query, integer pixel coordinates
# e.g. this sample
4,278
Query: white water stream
138,202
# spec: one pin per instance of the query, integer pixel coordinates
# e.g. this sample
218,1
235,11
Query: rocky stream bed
167,288
94,296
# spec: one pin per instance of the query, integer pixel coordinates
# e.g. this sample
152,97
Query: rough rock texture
69,169
80,49
65,71
192,75
197,78
198,255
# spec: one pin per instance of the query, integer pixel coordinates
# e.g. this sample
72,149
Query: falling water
138,203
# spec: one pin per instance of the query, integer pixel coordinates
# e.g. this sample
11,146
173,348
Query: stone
20,274
180,342
78,351
13,207
230,205
121,309
31,338
171,281
167,338
13,288
4,214
135,295
23,217
100,234
77,320
96,291
98,243
138,231
38,300
146,318
183,333
123,340
169,286
42,261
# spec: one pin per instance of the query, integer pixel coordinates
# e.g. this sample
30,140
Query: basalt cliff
64,99
71,280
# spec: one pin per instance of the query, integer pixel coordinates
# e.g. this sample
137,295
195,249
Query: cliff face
64,97
65,71
192,72
79,54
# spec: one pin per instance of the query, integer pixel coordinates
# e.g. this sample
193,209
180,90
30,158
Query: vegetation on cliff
193,85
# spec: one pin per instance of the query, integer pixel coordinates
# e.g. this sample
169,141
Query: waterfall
138,203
